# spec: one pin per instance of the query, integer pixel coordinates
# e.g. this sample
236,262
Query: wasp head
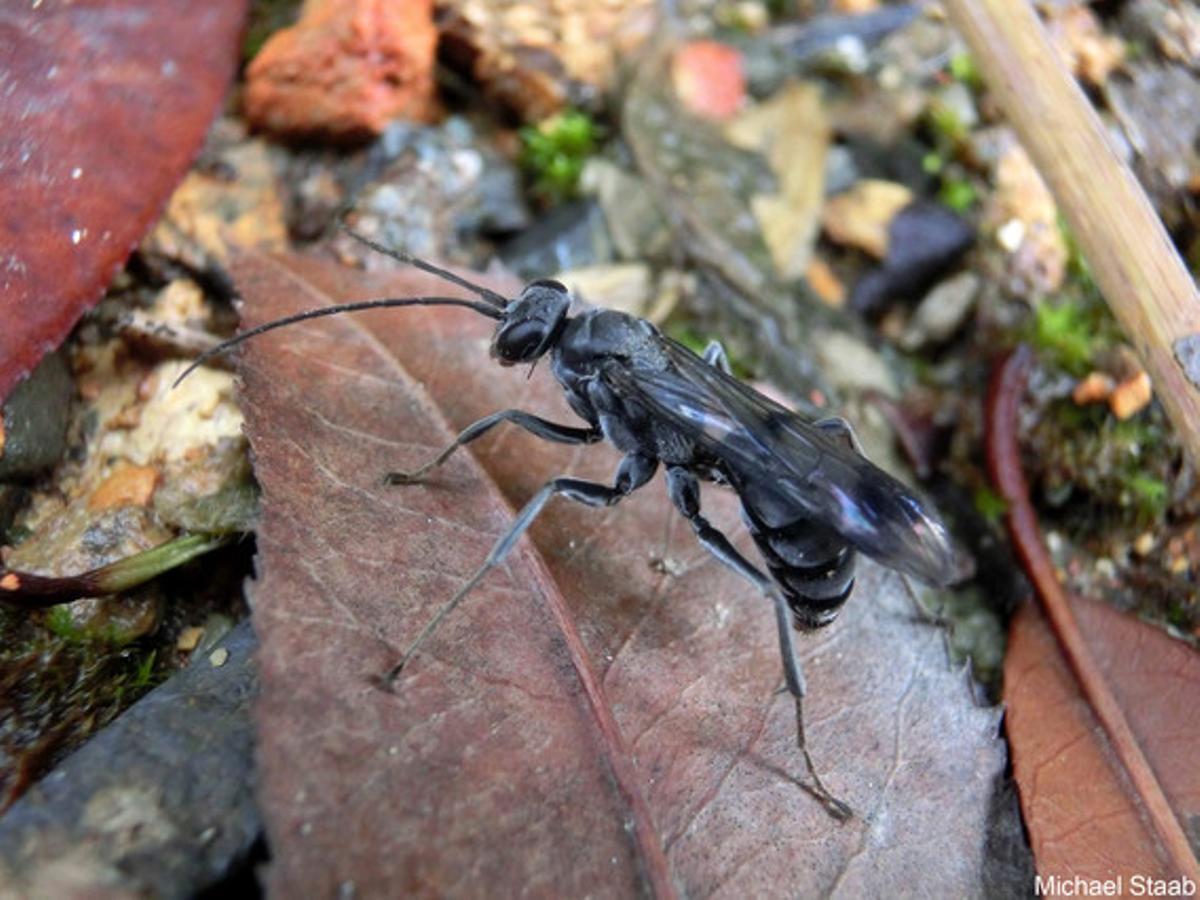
531,323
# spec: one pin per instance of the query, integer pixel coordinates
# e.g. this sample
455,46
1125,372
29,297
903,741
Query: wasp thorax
531,323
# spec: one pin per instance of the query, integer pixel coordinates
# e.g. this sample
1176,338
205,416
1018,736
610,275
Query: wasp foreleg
684,490
550,431
634,471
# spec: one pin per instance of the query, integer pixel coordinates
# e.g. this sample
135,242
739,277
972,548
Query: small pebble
1144,544
189,638
1097,387
1011,235
218,657
1131,396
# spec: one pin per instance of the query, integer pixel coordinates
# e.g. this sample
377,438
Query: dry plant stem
1134,263
1008,385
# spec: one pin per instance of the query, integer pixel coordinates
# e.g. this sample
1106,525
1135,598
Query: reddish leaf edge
1005,391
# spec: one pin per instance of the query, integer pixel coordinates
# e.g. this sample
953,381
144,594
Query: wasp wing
813,466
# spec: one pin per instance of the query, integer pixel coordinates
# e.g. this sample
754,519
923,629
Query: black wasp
810,499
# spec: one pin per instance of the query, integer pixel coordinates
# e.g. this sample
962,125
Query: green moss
554,152
1077,266
989,504
1102,471
1148,495
143,676
947,127
779,9
62,624
1180,615
958,194
1065,332
17,535
964,69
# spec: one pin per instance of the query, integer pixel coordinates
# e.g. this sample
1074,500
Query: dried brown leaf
1083,818
600,716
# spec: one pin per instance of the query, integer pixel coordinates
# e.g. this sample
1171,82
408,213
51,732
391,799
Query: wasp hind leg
634,471
547,430
715,356
684,490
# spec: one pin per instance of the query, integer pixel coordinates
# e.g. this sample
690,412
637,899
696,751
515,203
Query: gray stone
35,421
159,804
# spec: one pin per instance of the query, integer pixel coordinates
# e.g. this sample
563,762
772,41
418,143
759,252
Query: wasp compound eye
531,323
519,341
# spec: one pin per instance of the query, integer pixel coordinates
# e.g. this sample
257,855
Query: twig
1134,263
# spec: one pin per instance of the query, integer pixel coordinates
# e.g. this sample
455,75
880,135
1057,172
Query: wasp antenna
358,306
488,294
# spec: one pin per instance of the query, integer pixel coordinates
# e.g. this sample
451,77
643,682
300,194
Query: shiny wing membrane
818,469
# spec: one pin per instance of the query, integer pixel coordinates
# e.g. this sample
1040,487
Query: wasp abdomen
814,570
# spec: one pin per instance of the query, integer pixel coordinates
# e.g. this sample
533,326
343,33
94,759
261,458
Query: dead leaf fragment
1081,43
1097,735
537,56
1024,216
602,710
825,283
792,131
860,217
1082,817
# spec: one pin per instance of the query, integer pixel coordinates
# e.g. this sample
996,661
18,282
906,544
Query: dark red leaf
104,104
1100,706
601,714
